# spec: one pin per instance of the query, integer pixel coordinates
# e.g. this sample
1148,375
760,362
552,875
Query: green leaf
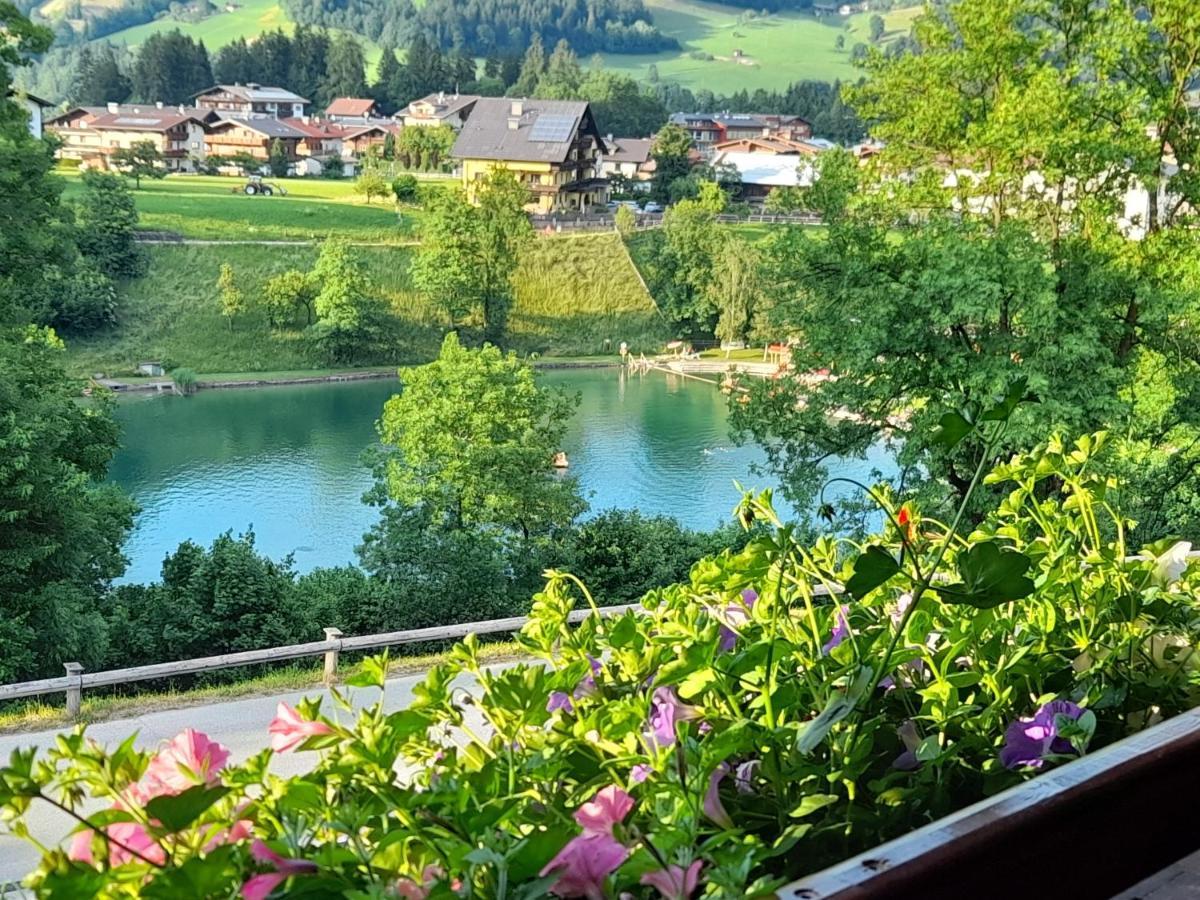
1017,393
177,811
952,428
811,803
840,705
873,567
990,575
696,682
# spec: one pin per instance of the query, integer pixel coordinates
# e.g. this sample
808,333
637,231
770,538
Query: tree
283,293
141,159
62,528
957,309
99,78
345,69
671,154
533,65
371,183
348,316
406,189
233,301
876,27
471,440
735,288
107,222
624,221
387,77
171,68
785,199
469,252
680,266
278,161
839,42
620,104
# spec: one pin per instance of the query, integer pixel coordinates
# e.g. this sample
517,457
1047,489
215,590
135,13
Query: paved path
241,725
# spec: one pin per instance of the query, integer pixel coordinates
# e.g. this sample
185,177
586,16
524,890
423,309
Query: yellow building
553,147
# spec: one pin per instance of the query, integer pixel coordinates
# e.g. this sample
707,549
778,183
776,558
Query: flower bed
737,732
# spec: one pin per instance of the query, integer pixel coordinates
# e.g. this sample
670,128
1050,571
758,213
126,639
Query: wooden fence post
331,656
74,689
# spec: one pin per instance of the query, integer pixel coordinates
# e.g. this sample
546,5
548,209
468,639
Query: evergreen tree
387,76
425,69
308,62
98,77
235,63
170,67
273,53
510,69
278,160
345,70
533,65
460,70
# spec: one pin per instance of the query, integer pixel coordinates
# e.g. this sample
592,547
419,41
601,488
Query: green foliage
107,219
278,161
470,251
371,184
170,68
624,221
735,288
670,153
471,439
694,716
406,189
61,529
185,379
348,314
285,294
141,159
233,301
425,148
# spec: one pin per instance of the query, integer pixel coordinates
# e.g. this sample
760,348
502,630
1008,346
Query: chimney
518,107
158,104
441,98
114,107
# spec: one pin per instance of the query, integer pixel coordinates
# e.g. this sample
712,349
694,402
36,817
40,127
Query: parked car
652,207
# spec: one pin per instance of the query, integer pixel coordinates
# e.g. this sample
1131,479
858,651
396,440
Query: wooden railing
74,682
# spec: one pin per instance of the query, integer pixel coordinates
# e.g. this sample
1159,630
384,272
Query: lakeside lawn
573,294
206,207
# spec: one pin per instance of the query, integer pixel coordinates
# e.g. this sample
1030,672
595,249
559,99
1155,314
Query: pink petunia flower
260,886
675,882
288,731
583,865
127,842
409,889
192,758
607,809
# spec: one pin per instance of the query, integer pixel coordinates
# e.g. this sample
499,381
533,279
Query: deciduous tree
141,159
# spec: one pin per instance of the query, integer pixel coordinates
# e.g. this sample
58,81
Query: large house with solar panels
91,134
252,100
552,146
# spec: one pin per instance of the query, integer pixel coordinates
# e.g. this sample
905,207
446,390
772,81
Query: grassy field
776,49
206,207
573,293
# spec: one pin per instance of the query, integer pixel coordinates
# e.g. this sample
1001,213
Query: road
241,725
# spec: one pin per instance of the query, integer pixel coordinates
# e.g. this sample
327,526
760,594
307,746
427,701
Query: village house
351,109
33,107
438,109
252,101
255,136
553,147
628,159
761,173
91,134
772,146
707,130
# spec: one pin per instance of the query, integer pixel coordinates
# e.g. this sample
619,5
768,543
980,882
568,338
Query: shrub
406,189
185,379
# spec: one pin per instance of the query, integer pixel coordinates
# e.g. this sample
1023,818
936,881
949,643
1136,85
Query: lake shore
268,379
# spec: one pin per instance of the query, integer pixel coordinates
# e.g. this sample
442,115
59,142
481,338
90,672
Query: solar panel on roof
552,128
129,120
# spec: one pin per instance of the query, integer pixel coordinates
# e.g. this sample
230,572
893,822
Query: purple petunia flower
665,713
712,806
587,684
743,776
735,616
559,700
841,629
911,738
640,773
1028,742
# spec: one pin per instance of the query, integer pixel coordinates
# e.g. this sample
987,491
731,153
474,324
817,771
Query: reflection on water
288,461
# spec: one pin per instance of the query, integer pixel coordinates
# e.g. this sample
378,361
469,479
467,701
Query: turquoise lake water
286,461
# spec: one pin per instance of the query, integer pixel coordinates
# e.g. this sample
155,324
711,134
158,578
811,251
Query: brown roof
272,128
443,105
350,106
634,150
773,145
524,130
142,118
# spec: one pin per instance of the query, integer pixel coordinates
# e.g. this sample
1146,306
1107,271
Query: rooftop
439,106
768,169
350,106
273,128
523,130
256,93
633,150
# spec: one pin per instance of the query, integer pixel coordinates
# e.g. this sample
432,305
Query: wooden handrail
330,648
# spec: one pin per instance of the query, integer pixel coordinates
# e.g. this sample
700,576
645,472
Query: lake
286,461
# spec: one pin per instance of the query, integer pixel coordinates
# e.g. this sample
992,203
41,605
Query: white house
34,107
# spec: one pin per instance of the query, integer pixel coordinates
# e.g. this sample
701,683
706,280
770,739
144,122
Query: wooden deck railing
74,682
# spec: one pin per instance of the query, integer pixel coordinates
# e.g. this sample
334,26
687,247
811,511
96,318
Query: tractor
255,186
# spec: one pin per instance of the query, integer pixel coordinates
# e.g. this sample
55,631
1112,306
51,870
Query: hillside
573,293
776,49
